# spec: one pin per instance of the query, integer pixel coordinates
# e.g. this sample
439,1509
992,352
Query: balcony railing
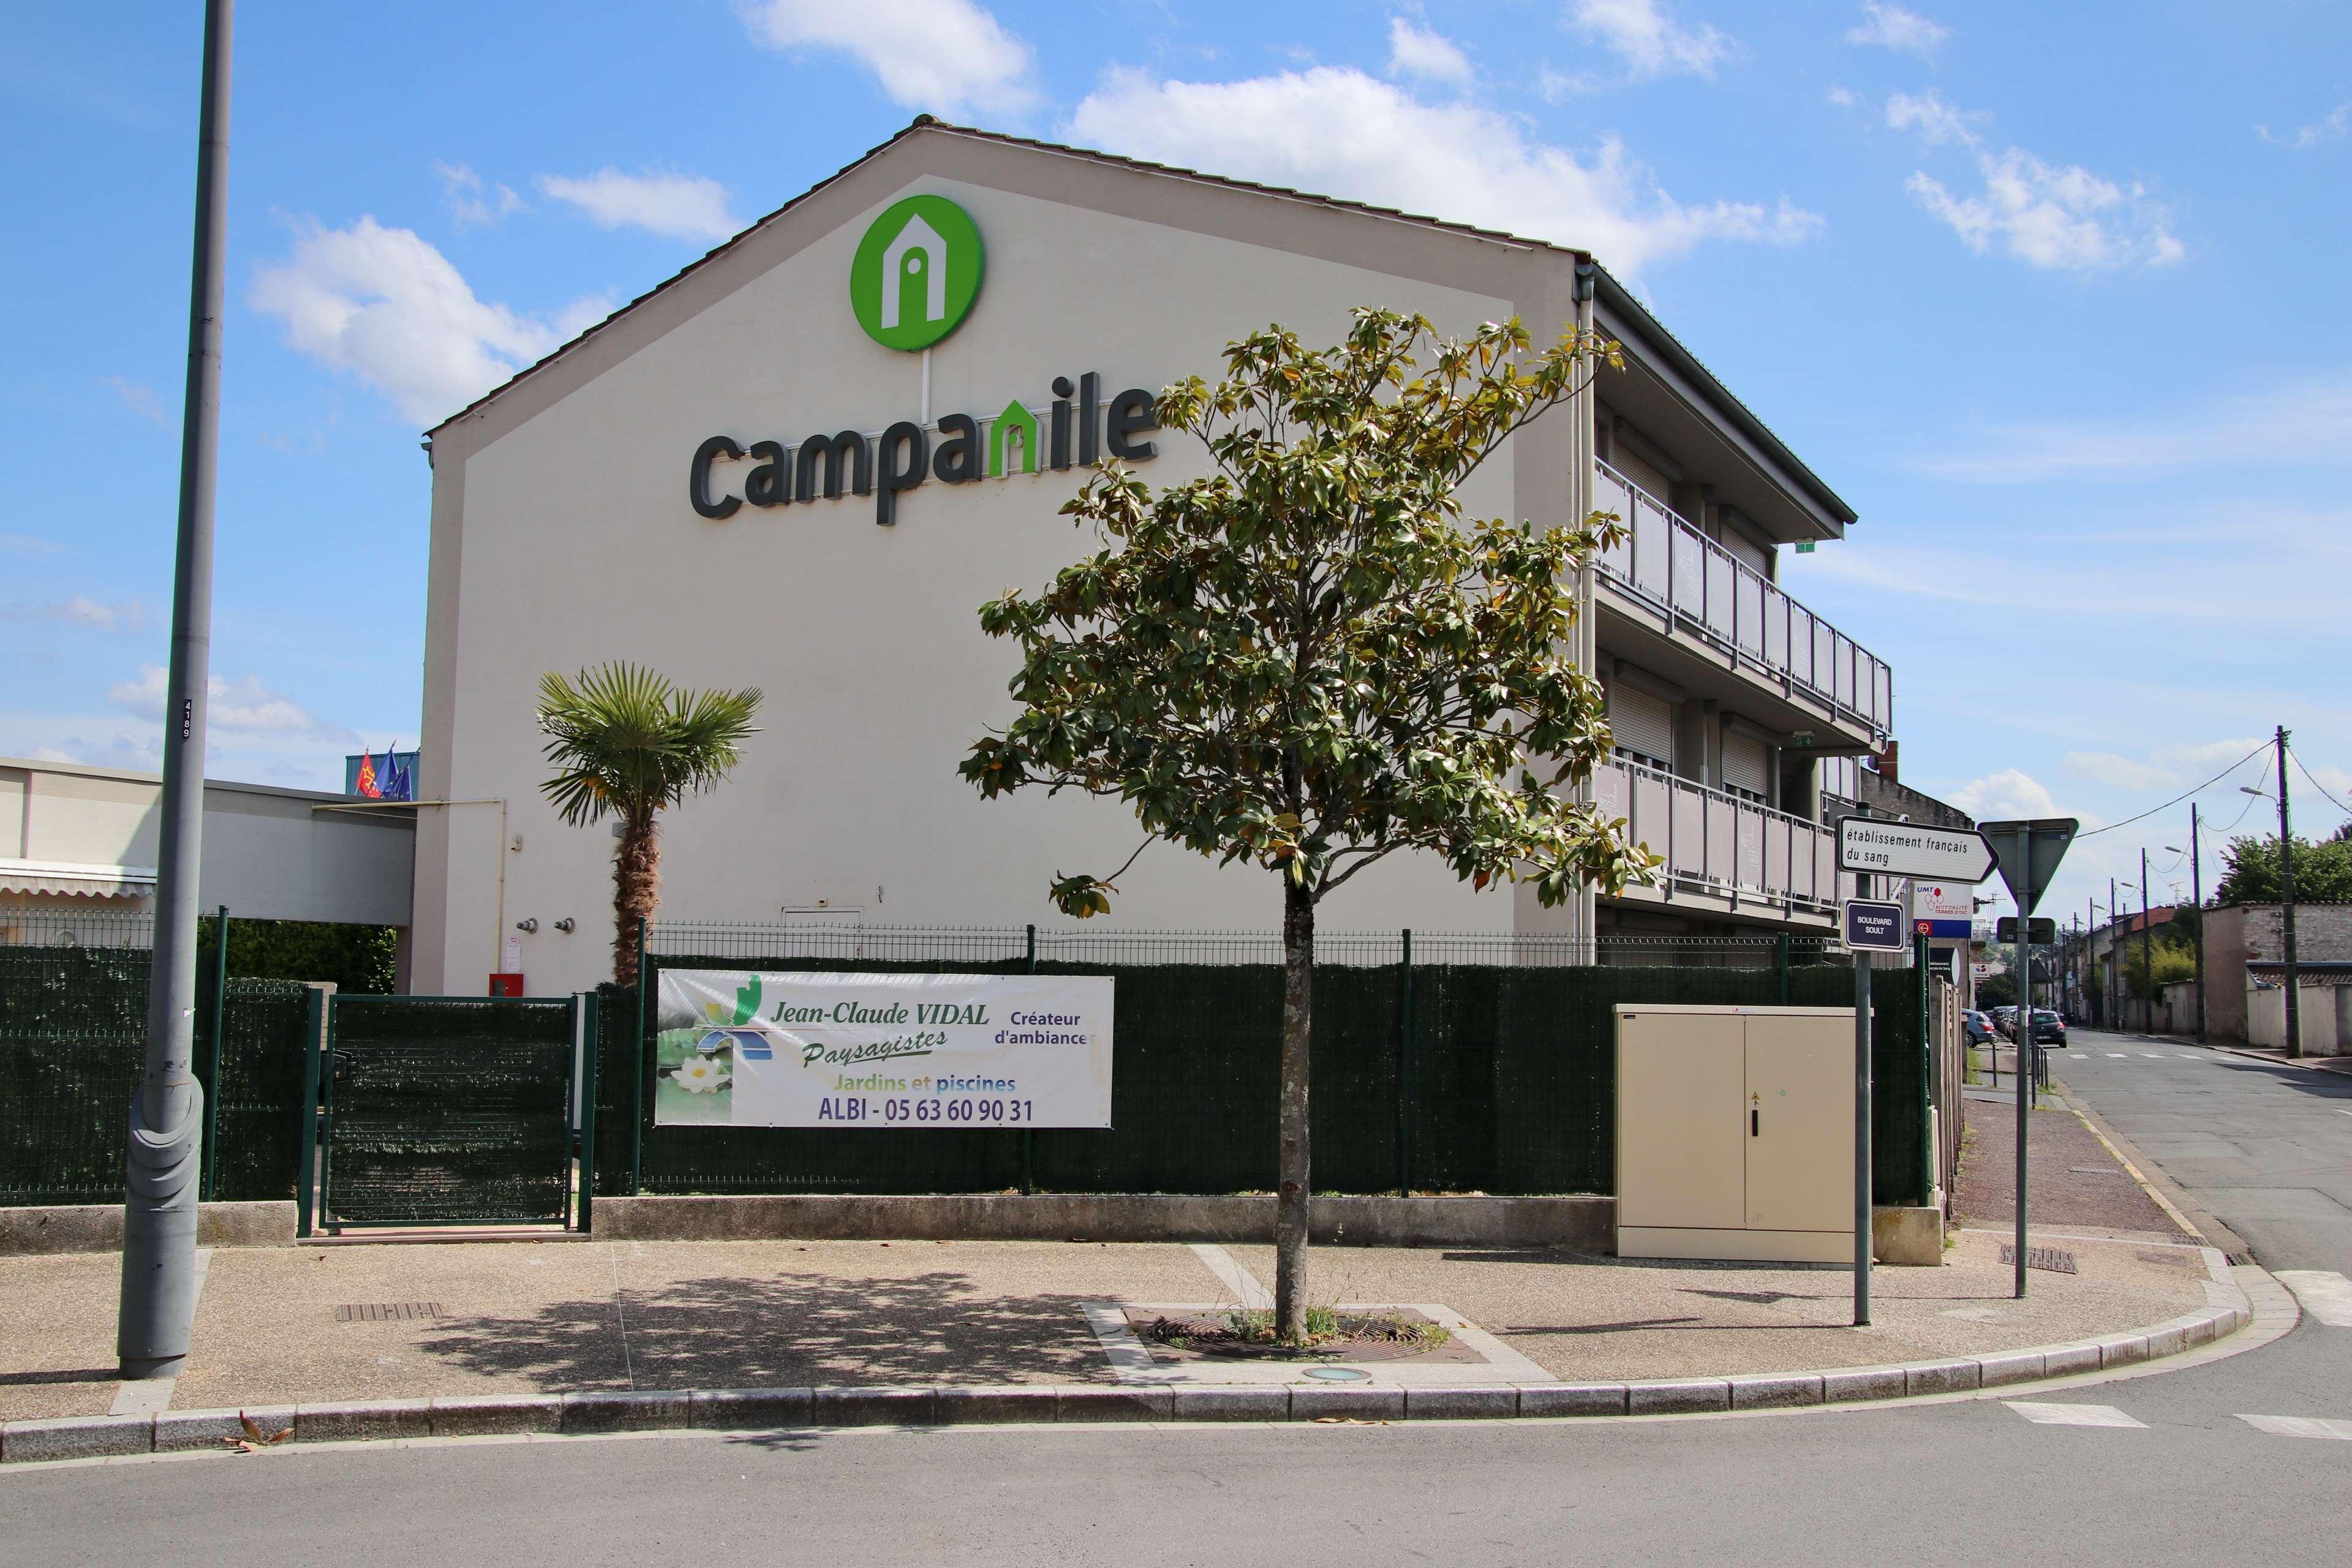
1710,593
1718,842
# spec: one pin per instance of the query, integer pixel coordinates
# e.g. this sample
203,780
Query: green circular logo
917,273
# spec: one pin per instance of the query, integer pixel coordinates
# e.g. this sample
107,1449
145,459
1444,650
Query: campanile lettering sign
913,282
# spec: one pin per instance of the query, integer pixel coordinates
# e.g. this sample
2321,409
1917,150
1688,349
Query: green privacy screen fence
1498,1076
73,1028
448,1110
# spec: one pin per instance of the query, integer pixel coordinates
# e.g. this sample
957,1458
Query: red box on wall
506,985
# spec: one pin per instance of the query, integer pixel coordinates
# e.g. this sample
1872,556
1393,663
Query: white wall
578,546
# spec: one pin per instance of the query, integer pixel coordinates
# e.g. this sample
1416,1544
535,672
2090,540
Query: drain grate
387,1312
2051,1259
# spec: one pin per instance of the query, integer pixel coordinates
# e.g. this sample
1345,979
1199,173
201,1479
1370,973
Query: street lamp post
164,1163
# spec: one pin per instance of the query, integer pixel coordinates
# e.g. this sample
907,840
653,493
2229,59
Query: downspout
499,926
1587,652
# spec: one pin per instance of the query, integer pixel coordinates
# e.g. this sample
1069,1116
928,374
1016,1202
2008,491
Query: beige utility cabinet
1735,1132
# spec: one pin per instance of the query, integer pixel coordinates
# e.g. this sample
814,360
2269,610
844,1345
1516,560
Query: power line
2315,784
2184,795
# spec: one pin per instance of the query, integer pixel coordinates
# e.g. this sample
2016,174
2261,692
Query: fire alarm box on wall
506,985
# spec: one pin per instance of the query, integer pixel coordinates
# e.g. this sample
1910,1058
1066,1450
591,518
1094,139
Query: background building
563,537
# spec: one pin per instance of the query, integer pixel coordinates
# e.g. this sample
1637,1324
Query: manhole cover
1338,1374
387,1312
2052,1259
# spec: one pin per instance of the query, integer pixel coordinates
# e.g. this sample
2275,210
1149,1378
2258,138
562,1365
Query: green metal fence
448,1110
73,1031
1499,1077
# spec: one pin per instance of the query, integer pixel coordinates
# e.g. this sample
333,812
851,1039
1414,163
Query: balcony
1726,851
1700,589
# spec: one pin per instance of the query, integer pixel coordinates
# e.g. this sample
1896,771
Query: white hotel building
563,535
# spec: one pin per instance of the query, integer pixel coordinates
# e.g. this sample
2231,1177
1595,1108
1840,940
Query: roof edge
1670,349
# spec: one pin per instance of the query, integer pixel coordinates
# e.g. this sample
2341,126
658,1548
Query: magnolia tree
1309,660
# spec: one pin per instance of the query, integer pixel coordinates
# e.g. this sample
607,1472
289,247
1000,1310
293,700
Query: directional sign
1870,926
1876,846
2029,852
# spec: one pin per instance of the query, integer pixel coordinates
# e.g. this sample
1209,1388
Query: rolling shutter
1641,723
1747,764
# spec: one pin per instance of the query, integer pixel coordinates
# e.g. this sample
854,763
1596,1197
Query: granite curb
776,1409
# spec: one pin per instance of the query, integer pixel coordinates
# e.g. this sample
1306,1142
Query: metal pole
2115,955
1029,1134
162,1168
2146,949
1862,1236
314,1039
2024,1070
2197,893
212,1068
1404,1073
637,1077
591,1038
2286,902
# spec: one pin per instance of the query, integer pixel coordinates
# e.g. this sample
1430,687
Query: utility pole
2146,947
159,1217
2286,901
2115,957
2196,894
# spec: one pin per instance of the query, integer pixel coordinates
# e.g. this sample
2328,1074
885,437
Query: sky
2052,295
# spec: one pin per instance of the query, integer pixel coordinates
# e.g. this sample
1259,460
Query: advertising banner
747,1048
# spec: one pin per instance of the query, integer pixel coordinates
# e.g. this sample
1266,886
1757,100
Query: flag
399,783
366,784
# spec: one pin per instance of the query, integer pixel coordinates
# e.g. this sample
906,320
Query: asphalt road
2184,1479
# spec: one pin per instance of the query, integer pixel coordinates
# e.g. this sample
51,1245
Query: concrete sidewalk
283,1326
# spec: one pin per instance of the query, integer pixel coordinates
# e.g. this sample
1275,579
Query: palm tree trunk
1294,1196
637,890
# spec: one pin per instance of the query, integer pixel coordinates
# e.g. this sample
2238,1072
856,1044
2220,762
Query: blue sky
2053,295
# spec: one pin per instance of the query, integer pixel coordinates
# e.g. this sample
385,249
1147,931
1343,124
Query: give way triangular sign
2028,853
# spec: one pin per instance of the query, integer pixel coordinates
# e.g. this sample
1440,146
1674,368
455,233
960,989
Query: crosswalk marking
2117,1056
2186,1056
2047,1414
2300,1426
2322,1293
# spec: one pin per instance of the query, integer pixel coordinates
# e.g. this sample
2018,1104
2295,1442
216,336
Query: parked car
2005,1020
1977,1028
2049,1028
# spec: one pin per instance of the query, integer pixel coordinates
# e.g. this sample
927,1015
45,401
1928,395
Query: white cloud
943,55
26,544
1649,41
2006,796
2064,217
1938,123
79,610
2165,767
386,306
1338,131
1417,51
139,398
2307,424
245,704
1844,98
2329,127
676,206
474,202
1893,27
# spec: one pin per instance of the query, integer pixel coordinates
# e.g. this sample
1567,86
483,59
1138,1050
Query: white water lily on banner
765,1048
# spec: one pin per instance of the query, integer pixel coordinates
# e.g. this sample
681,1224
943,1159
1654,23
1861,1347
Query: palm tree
626,743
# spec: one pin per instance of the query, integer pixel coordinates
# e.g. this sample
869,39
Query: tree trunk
1295,1196
637,889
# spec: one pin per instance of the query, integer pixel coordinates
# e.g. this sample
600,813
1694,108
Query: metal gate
435,1110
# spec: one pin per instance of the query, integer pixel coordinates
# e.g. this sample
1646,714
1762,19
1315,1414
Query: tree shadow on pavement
731,1331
